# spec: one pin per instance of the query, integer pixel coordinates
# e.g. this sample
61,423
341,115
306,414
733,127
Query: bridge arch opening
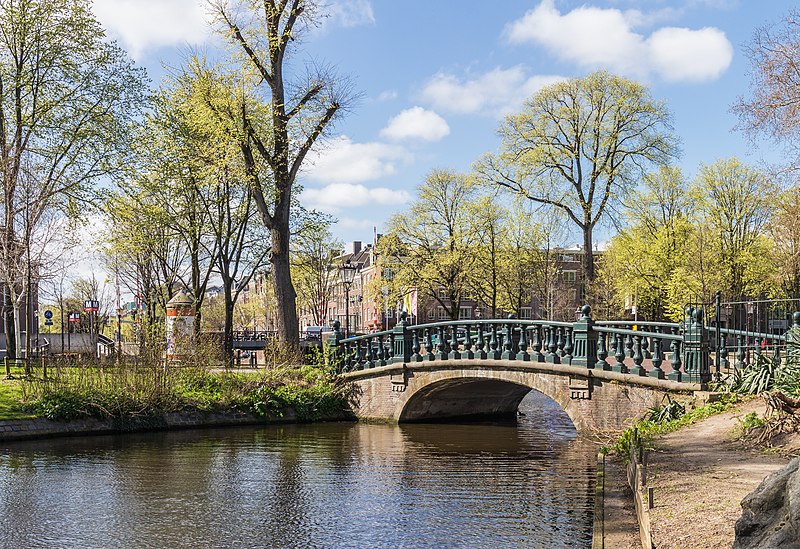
475,399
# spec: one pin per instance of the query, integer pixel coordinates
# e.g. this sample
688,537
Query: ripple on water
328,485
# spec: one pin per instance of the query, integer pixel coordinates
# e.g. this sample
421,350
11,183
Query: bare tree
773,106
300,111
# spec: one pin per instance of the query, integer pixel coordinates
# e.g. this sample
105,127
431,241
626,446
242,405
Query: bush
769,373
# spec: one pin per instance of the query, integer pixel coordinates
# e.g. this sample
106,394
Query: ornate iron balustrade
676,351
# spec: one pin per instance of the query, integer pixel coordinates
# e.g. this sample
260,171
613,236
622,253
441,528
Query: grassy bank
668,419
133,390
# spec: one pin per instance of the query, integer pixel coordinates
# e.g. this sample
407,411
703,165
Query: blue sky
438,76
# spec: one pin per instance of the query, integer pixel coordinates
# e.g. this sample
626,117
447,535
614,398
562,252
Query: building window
465,312
442,293
526,313
569,276
567,258
432,314
442,314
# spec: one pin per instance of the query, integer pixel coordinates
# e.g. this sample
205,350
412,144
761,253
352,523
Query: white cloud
340,160
350,13
141,25
416,123
337,196
605,38
496,92
387,95
671,49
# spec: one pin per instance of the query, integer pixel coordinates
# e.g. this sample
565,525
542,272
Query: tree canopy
68,101
579,146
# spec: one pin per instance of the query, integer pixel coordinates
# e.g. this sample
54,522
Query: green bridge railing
664,350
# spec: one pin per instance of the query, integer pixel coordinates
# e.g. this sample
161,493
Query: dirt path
700,475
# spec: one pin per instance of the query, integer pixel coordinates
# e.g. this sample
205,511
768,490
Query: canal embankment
36,428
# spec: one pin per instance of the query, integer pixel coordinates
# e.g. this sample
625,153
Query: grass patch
11,406
647,430
139,391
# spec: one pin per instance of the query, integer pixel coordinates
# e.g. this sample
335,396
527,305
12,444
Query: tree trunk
227,337
588,259
11,332
285,295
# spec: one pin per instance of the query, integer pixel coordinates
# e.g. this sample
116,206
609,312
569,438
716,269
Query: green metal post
403,341
584,352
334,353
696,357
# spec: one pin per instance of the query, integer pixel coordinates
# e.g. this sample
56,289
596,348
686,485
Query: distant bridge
603,374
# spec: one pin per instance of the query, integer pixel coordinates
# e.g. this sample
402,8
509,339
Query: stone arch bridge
468,388
603,374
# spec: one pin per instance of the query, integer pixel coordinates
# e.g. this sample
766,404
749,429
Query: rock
771,514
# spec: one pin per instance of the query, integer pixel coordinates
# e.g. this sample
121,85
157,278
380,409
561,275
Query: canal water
528,484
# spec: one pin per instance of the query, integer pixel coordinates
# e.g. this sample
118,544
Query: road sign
91,305
74,317
48,322
48,314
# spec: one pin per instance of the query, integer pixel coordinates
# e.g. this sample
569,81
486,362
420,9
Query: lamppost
348,272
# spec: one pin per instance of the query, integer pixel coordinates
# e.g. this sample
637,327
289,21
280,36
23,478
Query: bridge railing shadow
663,350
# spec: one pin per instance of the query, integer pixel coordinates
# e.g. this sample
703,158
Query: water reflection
331,485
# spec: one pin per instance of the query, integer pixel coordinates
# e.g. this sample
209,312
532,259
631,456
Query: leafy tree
180,157
734,201
281,134
508,254
314,268
146,256
784,230
67,99
487,217
579,146
653,245
431,245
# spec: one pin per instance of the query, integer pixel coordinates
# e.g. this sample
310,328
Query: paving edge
598,524
38,428
637,474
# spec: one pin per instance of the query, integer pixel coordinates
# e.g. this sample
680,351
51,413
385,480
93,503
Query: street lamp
348,272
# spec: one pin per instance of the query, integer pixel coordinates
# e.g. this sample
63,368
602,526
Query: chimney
355,247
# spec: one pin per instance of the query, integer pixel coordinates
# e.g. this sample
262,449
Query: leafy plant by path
646,430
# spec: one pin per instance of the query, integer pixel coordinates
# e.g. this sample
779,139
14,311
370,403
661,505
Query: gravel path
700,475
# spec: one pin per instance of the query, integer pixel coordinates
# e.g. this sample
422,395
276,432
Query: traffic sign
48,314
48,322
74,317
91,305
